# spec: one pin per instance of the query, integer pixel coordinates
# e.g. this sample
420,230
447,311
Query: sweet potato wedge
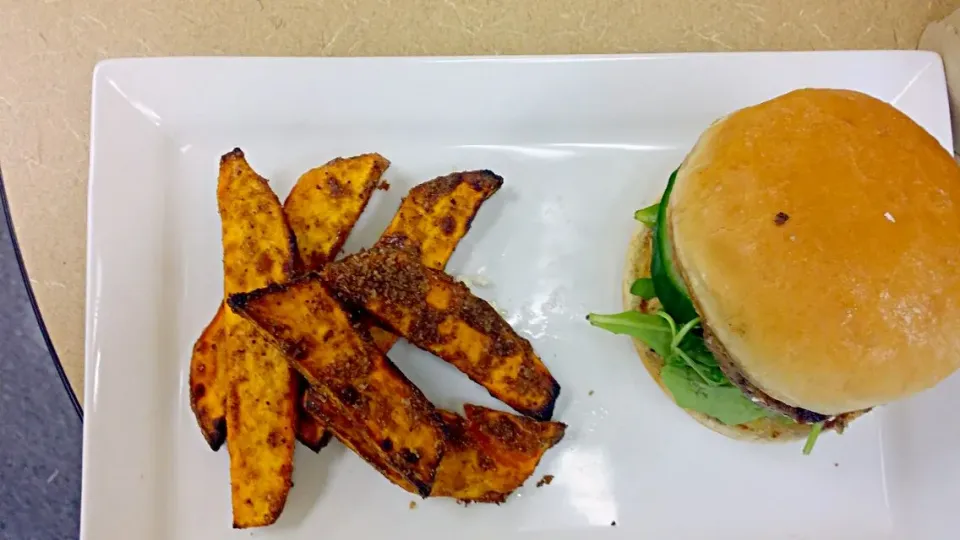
441,316
432,219
322,209
314,331
328,412
258,249
327,201
208,382
491,453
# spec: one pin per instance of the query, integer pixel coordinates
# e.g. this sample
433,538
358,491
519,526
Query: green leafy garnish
653,330
694,352
695,380
648,215
690,372
643,288
812,438
726,402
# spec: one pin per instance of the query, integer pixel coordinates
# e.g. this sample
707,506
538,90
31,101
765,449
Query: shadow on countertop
40,445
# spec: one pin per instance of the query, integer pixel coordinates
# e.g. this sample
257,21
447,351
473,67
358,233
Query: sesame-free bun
819,236
761,430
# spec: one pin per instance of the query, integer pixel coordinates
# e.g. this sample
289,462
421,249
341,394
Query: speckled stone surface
40,431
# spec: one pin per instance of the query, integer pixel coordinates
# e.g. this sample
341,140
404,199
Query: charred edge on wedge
545,413
218,436
431,191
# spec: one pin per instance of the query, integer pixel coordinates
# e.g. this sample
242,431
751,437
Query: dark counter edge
33,300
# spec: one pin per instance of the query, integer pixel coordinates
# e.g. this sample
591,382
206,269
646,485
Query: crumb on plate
545,481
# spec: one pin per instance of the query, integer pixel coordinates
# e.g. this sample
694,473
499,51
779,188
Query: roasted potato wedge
327,201
258,249
208,382
322,209
442,316
314,331
491,453
328,412
432,219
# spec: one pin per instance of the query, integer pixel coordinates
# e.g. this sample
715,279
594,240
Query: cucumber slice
648,215
667,282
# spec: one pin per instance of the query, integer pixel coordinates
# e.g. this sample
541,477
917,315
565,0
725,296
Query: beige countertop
48,49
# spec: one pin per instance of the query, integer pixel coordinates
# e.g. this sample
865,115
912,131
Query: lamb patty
797,414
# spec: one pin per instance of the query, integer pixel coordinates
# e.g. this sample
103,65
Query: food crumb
781,218
474,281
545,481
383,185
590,393
413,505
613,523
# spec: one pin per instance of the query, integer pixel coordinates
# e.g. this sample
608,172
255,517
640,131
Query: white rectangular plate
581,142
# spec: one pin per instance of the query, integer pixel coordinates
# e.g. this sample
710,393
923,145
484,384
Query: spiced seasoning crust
446,205
314,332
430,222
442,316
322,209
491,453
326,411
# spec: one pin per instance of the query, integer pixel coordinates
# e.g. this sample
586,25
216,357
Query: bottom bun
762,430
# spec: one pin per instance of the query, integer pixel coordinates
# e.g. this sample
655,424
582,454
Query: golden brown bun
762,430
851,297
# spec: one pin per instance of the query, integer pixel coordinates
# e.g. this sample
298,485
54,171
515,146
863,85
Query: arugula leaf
653,330
696,354
678,352
648,215
690,373
812,438
693,376
724,402
643,288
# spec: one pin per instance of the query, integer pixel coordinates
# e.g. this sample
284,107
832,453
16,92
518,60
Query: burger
801,268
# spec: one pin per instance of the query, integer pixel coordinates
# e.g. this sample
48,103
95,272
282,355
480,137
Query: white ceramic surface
581,142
